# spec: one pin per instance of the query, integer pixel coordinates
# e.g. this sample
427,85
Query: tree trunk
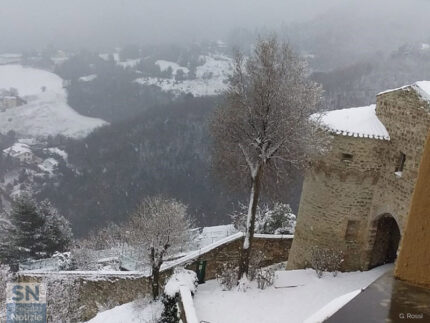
155,282
250,224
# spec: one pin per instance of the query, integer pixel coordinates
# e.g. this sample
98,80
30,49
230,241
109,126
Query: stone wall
336,200
79,296
343,199
275,250
76,297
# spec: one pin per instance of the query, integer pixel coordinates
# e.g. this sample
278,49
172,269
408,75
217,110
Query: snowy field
211,77
46,112
281,302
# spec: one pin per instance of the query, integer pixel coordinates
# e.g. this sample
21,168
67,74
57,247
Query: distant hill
46,112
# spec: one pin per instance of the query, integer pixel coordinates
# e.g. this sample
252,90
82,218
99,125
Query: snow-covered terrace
359,122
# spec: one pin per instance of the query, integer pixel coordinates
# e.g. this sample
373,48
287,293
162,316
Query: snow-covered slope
211,77
46,112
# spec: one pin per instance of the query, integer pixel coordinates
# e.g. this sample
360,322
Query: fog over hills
99,23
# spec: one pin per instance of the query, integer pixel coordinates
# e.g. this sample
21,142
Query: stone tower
355,198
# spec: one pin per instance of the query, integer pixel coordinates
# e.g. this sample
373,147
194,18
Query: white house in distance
9,99
20,151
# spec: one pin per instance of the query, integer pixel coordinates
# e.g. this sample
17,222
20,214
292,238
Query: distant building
9,99
20,151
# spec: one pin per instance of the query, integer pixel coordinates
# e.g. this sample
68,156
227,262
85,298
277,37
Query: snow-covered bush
170,297
278,219
227,276
326,259
181,277
255,263
243,284
64,260
265,278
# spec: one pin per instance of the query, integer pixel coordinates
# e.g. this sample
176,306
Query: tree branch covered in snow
158,226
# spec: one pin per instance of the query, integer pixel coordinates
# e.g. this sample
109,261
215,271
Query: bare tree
158,226
263,129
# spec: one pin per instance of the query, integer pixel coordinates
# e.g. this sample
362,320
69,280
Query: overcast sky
95,23
31,23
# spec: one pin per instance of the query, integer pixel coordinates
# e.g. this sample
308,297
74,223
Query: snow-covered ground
125,64
134,312
282,302
164,65
211,77
46,112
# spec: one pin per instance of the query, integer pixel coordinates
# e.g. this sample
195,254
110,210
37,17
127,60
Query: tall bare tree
158,226
263,130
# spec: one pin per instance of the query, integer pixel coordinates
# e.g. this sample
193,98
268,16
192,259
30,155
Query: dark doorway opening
387,240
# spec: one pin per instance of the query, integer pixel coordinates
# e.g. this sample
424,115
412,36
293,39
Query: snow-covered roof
48,165
422,87
88,78
17,149
355,122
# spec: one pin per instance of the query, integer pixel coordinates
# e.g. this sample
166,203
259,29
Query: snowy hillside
46,113
211,77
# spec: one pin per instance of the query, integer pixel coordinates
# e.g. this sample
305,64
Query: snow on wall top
355,122
423,89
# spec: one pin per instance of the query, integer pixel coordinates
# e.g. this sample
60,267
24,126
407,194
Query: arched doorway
386,242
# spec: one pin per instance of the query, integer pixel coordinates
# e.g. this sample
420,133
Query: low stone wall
79,296
274,249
